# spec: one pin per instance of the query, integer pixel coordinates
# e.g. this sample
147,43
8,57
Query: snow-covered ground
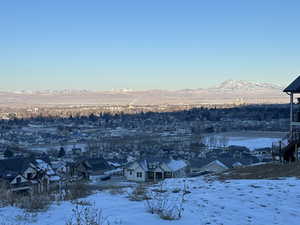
257,202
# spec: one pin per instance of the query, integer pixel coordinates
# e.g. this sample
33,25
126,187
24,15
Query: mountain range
228,92
247,85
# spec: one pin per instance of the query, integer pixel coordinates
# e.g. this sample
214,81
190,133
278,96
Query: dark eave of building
294,87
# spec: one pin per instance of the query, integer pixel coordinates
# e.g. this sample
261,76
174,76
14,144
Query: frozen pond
251,140
252,143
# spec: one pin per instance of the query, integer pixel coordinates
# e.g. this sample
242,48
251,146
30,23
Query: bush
87,215
116,191
138,194
77,190
82,203
26,218
34,203
113,189
176,190
6,197
31,203
166,206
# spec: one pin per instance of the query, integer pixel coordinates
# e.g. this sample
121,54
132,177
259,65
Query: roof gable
176,165
294,87
98,164
23,179
151,164
14,165
217,162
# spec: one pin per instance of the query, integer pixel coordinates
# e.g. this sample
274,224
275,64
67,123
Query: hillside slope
233,202
264,171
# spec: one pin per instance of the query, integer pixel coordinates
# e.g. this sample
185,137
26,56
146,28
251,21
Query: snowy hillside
259,202
247,85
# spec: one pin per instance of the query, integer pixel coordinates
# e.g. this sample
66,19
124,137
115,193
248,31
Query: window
153,165
29,175
18,180
168,174
139,174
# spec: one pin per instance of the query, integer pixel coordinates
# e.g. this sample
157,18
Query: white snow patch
258,202
175,165
219,163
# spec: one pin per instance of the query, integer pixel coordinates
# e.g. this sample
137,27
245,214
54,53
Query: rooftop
294,87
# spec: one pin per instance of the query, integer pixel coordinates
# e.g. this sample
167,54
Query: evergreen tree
61,152
8,153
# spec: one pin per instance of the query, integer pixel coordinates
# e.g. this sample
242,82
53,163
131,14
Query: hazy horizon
136,89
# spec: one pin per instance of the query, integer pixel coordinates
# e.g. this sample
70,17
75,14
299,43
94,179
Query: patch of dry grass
139,193
265,171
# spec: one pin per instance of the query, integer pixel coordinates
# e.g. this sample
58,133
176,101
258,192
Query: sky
139,44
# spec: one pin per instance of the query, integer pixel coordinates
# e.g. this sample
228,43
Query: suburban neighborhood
150,112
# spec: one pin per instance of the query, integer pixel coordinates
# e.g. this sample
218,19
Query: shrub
87,215
27,218
113,188
138,194
82,203
116,191
34,203
6,197
166,206
159,190
176,190
77,190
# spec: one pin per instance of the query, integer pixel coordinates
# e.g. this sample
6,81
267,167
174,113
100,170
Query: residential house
45,167
98,166
263,154
153,169
78,170
27,175
215,166
293,90
83,168
196,165
60,167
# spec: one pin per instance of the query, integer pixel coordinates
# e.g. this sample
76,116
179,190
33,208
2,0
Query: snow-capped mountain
52,92
246,85
227,92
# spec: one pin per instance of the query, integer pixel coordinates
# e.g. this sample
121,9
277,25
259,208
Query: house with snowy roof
82,168
199,166
27,175
215,166
154,169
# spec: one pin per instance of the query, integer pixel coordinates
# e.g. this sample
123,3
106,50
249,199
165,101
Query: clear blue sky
142,44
